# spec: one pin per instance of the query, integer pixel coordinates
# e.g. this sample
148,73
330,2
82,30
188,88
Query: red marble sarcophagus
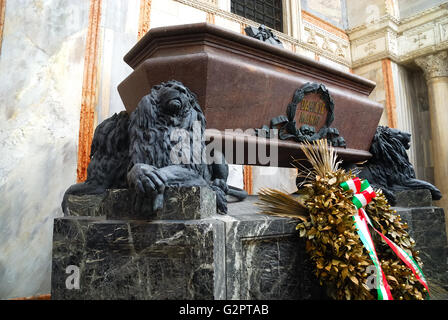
243,83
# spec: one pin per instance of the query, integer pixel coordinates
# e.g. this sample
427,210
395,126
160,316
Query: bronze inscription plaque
311,111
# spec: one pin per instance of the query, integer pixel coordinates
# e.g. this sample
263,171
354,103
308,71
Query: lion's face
173,99
403,137
389,147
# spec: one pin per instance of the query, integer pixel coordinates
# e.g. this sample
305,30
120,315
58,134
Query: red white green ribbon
363,194
407,259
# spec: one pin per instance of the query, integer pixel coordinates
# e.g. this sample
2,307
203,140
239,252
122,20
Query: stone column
292,18
435,67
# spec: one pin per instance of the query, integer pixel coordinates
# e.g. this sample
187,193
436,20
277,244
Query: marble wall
41,71
361,12
170,12
406,102
409,8
413,117
332,11
374,72
283,179
118,33
412,113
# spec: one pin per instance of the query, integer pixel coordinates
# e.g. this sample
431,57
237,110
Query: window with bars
267,12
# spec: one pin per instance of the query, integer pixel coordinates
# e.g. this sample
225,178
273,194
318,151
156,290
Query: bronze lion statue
159,145
389,168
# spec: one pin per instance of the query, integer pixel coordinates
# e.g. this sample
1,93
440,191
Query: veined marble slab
242,255
41,72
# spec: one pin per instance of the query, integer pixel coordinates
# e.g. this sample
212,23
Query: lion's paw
221,183
148,181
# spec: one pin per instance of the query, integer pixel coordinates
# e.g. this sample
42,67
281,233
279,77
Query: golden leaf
347,294
354,280
344,273
392,278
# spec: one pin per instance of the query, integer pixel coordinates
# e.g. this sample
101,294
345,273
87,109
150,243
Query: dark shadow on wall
421,138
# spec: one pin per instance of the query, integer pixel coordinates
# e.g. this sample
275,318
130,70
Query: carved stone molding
212,2
434,65
326,44
401,41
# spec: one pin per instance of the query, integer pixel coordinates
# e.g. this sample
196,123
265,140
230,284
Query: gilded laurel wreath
326,212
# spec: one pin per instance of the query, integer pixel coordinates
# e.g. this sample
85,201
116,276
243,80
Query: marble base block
182,203
241,255
413,198
426,225
131,259
87,205
265,257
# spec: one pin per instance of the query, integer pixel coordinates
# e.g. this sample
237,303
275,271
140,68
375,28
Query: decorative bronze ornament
264,34
307,89
308,117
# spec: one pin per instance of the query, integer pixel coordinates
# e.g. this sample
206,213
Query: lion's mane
109,156
151,131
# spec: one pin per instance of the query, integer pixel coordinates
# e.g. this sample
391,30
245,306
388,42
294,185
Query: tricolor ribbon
363,194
